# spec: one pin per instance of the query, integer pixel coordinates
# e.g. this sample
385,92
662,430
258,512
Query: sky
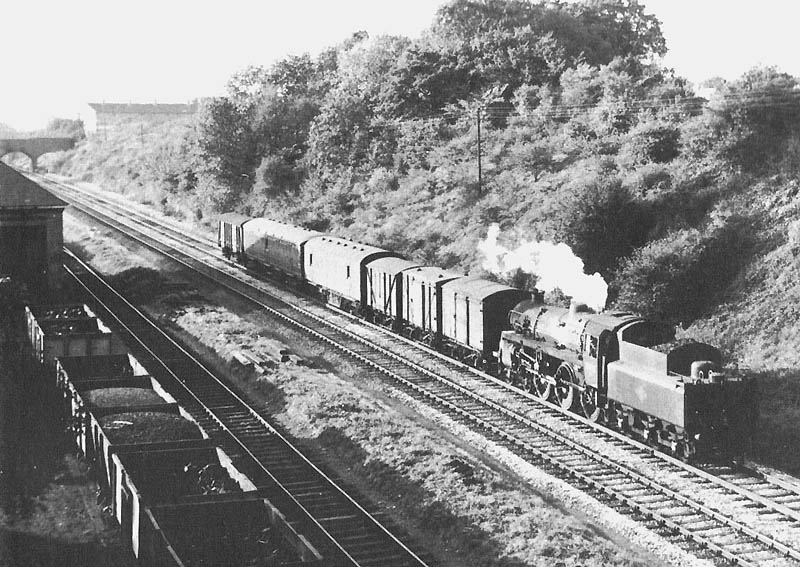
60,54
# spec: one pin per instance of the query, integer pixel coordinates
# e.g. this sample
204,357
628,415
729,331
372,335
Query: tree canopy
585,138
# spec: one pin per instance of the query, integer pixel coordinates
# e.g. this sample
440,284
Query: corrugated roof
19,192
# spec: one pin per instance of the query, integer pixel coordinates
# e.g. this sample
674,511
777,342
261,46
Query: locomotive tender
619,368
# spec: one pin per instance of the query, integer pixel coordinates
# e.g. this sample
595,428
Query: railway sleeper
610,478
638,493
700,525
773,493
789,500
657,502
711,533
681,511
733,543
589,469
303,489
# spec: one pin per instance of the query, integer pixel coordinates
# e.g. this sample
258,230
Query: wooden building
31,232
109,116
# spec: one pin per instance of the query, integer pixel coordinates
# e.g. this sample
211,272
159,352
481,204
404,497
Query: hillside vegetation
687,206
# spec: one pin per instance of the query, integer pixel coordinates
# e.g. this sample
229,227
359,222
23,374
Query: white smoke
554,265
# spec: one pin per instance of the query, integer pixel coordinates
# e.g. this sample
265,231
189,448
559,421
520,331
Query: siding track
345,532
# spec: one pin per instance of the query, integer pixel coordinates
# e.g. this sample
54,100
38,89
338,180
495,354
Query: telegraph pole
480,171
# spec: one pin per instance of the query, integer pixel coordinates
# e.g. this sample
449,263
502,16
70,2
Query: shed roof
20,192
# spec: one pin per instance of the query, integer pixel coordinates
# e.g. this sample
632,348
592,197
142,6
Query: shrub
139,284
677,278
650,178
602,223
651,142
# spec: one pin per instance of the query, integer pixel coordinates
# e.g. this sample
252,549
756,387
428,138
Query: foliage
618,28
228,147
677,278
139,284
603,223
476,45
350,130
652,142
66,127
755,117
584,139
282,125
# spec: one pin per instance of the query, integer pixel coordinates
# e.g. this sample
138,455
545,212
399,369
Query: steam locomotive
616,367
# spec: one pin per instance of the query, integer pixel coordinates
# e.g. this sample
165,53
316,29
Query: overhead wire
664,106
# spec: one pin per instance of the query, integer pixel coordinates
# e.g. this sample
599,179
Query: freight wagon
71,330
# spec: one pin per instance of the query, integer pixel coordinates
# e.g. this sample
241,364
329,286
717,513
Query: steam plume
554,265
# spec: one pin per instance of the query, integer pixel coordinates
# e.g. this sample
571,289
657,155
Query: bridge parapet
35,147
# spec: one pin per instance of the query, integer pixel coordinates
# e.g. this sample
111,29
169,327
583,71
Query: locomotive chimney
576,307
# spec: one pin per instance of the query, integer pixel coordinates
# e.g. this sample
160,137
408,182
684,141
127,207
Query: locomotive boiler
630,373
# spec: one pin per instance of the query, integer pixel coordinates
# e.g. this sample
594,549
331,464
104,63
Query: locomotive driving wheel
540,385
565,379
589,403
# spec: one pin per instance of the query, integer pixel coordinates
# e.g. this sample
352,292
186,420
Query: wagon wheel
541,386
565,379
589,404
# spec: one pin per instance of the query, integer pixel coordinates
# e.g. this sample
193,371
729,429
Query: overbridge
35,147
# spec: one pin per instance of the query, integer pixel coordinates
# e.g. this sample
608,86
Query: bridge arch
13,153
35,147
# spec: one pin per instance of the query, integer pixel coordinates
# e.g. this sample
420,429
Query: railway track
345,532
735,514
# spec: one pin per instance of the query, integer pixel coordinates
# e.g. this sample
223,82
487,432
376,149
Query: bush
649,178
139,284
679,277
602,223
760,114
651,142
